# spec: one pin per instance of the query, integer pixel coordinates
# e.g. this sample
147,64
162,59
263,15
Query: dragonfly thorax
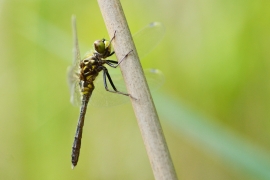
89,68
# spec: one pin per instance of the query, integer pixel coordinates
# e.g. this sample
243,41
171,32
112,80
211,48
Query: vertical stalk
144,108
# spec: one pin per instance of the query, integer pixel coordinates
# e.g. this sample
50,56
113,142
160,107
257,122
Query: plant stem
143,106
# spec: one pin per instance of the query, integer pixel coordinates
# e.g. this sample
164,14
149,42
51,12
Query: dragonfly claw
133,97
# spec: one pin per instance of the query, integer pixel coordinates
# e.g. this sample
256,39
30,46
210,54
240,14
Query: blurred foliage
214,105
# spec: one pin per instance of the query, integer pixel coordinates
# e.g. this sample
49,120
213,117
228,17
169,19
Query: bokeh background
213,106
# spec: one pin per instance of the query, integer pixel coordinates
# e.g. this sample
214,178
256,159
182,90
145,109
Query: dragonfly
83,73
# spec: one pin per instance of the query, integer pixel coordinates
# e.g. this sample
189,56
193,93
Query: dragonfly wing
148,38
73,71
155,78
75,93
103,98
76,50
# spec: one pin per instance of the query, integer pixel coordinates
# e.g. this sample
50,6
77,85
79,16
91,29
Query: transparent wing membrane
155,78
73,70
148,38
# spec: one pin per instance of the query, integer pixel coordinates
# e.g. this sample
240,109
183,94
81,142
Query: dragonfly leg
111,41
110,44
112,62
105,75
112,53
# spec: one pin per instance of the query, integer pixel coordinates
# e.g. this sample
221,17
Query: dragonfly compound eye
99,46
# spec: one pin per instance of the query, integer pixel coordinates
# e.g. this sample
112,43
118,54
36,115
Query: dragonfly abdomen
87,87
87,77
78,136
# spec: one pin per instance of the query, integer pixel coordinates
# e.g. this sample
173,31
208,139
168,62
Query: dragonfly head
102,46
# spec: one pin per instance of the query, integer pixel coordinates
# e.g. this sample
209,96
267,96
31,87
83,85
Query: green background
213,106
